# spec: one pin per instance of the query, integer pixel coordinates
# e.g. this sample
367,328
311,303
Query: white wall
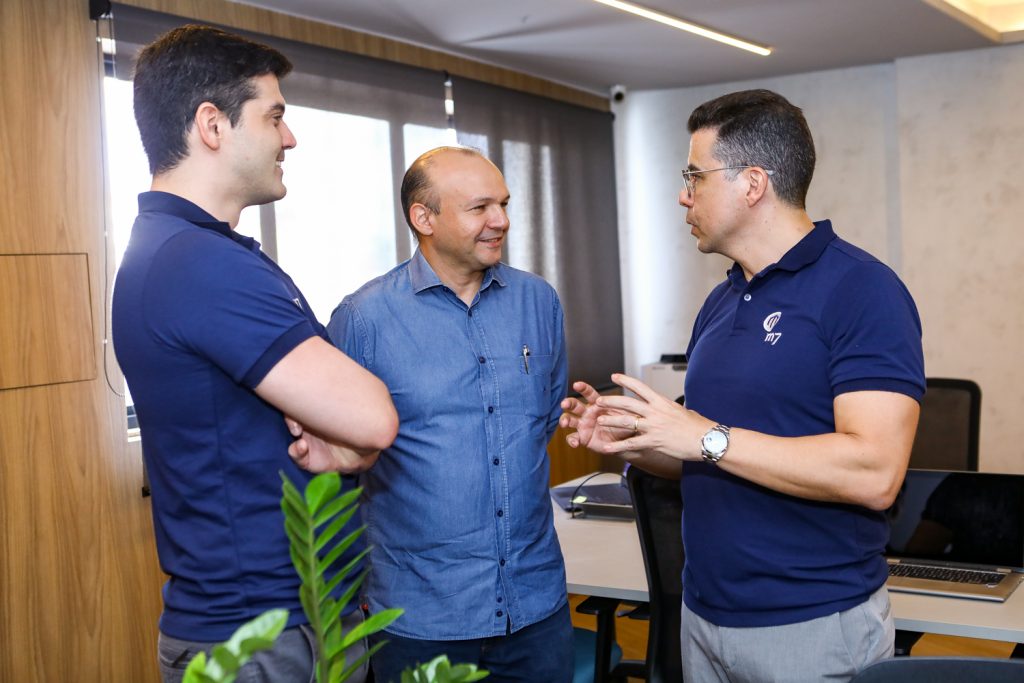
919,162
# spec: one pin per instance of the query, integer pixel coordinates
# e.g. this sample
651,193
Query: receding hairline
426,160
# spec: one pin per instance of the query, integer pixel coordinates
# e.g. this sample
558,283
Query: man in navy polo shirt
218,346
805,372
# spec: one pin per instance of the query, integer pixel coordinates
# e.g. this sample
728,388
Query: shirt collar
808,250
172,204
804,253
423,276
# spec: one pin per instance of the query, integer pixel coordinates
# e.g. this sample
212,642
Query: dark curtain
559,163
558,160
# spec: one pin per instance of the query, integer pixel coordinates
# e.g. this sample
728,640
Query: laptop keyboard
924,571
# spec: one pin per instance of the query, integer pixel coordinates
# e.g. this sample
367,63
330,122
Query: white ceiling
591,46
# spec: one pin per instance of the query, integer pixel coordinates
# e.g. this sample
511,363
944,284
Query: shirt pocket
528,389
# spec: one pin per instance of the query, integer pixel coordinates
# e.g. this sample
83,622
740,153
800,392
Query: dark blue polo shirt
770,355
200,315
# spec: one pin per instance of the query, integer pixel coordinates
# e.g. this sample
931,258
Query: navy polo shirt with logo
200,316
771,355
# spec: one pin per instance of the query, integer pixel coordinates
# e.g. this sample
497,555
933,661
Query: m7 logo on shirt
769,324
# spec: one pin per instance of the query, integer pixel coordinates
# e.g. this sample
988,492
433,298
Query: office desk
602,557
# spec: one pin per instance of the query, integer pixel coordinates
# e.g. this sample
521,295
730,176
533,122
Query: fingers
572,405
298,449
624,404
589,393
294,428
625,422
637,387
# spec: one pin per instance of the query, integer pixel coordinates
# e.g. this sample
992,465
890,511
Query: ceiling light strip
686,26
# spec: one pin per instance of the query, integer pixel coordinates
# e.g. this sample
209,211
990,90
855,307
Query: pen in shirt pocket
526,358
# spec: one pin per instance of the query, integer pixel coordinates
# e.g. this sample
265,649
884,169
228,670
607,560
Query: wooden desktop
602,557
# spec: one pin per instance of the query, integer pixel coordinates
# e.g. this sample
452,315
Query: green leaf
332,529
299,529
373,624
196,670
294,506
337,505
351,668
350,592
290,493
342,546
300,562
227,658
439,670
321,489
332,615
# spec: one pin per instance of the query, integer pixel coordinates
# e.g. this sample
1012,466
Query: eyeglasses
690,177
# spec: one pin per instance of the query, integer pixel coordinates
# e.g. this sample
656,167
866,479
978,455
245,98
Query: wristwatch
715,443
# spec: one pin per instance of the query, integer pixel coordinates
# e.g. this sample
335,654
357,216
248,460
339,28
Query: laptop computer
595,500
959,534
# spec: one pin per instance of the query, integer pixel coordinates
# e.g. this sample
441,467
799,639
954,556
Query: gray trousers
830,648
291,660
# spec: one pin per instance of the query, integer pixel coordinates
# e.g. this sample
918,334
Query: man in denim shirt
457,509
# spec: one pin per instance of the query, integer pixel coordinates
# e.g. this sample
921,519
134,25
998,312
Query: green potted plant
313,522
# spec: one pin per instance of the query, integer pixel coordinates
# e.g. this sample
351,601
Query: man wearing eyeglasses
802,389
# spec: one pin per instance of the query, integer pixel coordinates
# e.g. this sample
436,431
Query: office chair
598,658
595,653
949,426
659,512
946,439
942,670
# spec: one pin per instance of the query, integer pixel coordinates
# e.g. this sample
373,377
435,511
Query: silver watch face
715,442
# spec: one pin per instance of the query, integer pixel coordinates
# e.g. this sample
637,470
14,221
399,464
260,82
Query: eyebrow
276,108
487,200
691,168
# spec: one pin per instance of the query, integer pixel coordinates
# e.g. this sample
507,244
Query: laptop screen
969,518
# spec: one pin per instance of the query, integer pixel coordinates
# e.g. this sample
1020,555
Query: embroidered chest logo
769,324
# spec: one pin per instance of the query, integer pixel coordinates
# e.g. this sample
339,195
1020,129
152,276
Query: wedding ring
636,425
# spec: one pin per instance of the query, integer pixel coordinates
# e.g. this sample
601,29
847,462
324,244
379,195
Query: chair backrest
942,670
949,427
659,513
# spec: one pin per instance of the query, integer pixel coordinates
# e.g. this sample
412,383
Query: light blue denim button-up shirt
457,509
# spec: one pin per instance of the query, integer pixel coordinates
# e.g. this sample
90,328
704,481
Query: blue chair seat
585,645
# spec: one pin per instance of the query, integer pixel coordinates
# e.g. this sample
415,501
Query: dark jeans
291,660
541,652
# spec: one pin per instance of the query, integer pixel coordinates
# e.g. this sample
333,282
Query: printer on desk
667,376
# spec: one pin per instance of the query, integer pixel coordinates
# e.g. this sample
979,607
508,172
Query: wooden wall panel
295,28
78,578
568,463
47,106
79,582
46,321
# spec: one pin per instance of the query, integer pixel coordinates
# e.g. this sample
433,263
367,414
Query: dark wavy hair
182,69
762,128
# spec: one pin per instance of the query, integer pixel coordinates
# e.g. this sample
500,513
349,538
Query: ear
421,217
757,184
210,124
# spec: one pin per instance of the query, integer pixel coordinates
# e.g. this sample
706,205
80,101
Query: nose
685,198
499,218
288,140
